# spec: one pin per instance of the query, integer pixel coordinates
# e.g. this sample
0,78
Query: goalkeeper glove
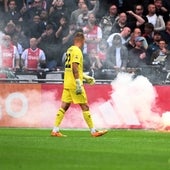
90,80
78,86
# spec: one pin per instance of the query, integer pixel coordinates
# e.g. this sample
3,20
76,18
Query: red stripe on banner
35,105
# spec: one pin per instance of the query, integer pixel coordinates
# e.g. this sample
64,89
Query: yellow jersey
73,54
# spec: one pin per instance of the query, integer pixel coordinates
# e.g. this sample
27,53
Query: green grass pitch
34,149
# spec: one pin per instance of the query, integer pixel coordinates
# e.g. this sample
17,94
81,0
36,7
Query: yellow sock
88,119
59,117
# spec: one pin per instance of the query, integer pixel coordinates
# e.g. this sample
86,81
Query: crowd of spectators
119,34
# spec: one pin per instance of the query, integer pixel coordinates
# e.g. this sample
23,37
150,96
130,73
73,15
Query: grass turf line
34,149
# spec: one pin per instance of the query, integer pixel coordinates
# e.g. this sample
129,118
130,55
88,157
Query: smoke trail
165,122
131,103
137,96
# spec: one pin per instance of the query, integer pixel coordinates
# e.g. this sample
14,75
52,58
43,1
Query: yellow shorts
69,96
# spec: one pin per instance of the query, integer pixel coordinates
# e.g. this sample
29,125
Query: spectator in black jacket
12,14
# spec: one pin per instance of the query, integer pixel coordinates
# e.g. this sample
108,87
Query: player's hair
79,36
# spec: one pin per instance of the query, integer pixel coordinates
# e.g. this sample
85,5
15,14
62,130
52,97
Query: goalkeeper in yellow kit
73,87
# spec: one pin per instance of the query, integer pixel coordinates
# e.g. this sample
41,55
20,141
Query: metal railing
154,74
